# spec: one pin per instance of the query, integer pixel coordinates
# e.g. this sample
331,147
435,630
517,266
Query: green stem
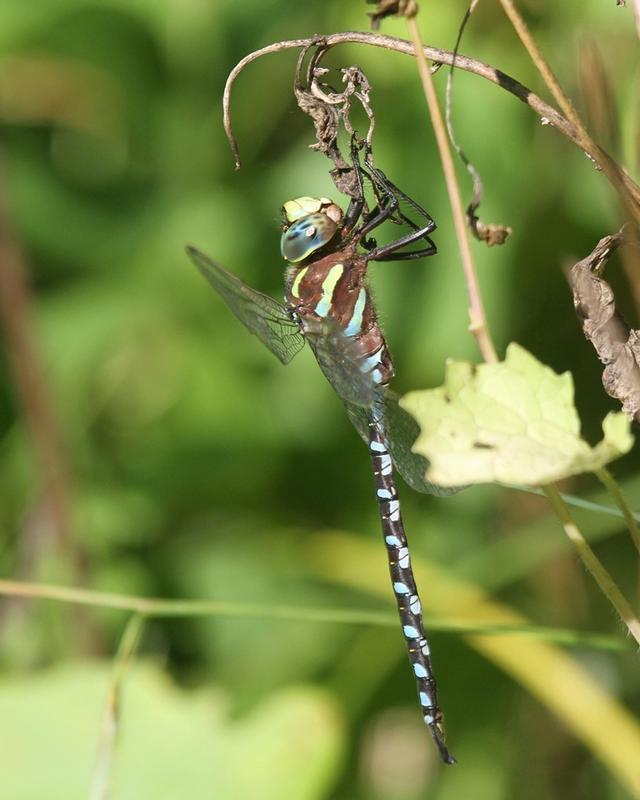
156,607
607,479
106,748
593,565
574,500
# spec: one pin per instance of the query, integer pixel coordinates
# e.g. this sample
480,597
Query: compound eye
307,235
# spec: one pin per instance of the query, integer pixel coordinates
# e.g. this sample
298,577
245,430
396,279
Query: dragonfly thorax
309,223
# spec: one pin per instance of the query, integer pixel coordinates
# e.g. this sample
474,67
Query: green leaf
512,422
170,742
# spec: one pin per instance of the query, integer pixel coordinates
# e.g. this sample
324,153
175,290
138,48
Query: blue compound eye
306,235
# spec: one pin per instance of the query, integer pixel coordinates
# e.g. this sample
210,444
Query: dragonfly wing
339,358
400,431
265,317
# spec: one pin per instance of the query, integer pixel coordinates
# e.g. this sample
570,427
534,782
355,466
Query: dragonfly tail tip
445,755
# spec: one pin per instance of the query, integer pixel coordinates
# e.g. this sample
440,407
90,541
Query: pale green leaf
171,743
511,422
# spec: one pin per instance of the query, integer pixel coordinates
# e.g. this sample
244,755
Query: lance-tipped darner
328,304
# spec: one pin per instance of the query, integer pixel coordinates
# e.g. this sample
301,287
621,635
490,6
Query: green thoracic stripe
296,283
328,285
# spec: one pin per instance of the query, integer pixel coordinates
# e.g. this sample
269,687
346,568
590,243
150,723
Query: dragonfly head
309,223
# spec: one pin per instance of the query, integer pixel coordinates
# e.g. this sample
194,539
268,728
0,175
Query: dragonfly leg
352,215
388,197
389,252
357,206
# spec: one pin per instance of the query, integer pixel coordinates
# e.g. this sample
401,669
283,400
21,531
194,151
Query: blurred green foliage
200,468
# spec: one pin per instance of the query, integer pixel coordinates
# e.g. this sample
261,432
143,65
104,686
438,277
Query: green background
200,468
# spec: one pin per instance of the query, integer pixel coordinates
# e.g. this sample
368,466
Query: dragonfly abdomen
403,582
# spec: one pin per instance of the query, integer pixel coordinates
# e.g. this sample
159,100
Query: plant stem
611,169
106,748
36,405
593,565
607,479
478,323
520,27
143,607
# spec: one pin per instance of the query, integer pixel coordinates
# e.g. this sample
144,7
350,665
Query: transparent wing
339,359
400,432
265,317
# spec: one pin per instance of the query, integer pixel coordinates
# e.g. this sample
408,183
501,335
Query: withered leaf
617,345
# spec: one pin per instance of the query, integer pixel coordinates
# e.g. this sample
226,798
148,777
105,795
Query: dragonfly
327,304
